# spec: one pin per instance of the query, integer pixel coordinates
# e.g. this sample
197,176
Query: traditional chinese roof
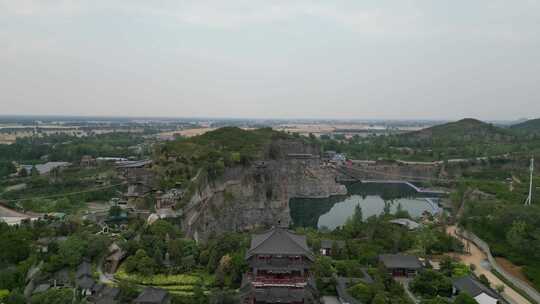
85,282
406,223
280,295
152,295
472,287
84,269
279,241
393,261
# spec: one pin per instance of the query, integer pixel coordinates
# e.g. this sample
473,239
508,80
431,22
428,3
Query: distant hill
532,125
462,131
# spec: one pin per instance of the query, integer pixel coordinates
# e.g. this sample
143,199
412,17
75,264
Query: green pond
372,198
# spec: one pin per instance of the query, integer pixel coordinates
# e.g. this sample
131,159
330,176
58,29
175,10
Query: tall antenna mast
528,201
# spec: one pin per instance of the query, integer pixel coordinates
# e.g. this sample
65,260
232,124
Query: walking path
105,278
479,259
405,283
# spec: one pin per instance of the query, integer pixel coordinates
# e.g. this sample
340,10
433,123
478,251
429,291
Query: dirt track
7,212
476,257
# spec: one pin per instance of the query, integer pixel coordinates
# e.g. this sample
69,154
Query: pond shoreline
373,197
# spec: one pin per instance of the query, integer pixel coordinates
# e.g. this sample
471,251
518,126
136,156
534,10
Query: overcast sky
397,59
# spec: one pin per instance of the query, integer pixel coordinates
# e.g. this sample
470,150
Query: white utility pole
528,201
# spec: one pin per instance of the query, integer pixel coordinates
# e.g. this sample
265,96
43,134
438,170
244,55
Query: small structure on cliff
279,269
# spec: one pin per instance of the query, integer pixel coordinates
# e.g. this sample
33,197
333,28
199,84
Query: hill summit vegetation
181,160
459,132
529,126
466,138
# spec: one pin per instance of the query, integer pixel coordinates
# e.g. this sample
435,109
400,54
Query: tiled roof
400,261
471,286
84,269
279,241
280,295
151,295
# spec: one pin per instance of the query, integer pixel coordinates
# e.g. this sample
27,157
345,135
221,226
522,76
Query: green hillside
532,125
459,132
180,160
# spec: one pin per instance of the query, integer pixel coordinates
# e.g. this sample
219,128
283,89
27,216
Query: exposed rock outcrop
249,197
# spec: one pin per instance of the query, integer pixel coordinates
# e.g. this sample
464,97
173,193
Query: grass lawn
178,282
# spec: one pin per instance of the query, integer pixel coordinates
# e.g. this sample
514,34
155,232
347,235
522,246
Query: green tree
425,239
11,278
379,298
128,292
517,235
362,292
430,283
141,263
15,246
447,266
437,300
16,297
161,228
401,213
34,172
323,267
53,296
464,298
198,294
72,250
484,280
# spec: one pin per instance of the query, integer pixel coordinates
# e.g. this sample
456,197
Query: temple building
279,269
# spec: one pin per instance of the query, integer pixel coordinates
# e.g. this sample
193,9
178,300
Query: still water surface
372,198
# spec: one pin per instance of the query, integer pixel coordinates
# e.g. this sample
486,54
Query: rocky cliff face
249,197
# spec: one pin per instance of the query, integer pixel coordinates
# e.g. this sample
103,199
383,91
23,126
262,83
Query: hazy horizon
375,60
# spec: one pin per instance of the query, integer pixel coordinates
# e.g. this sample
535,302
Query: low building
83,278
61,278
88,161
328,155
43,243
151,295
46,168
141,181
328,245
401,265
405,222
477,290
168,199
103,294
111,159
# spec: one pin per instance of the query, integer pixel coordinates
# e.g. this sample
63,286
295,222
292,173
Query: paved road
477,258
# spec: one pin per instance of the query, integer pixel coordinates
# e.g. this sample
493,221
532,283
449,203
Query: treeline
467,138
69,148
65,191
511,230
